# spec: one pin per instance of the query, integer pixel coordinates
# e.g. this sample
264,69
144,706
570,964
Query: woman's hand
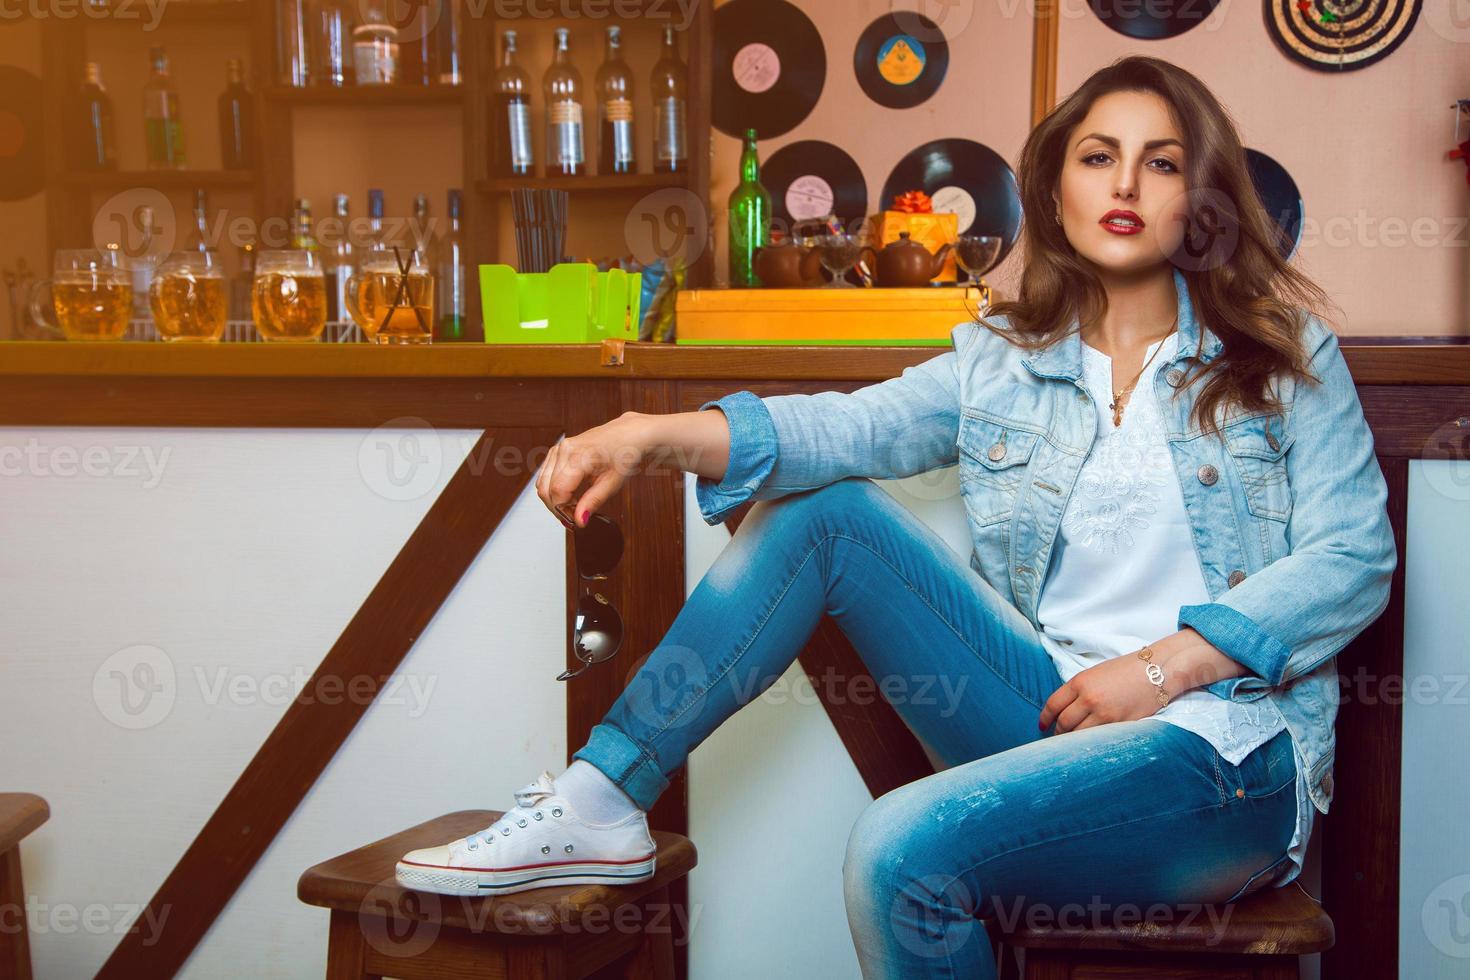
583,472
1115,690
1118,689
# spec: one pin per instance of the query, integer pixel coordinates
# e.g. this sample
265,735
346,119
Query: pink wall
1366,148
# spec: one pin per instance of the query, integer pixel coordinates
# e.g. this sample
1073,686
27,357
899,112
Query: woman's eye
1093,156
1168,163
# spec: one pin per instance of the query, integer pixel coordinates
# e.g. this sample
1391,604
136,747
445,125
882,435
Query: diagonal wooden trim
294,755
884,749
1044,59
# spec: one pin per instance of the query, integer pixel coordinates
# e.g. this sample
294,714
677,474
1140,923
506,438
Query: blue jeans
1028,826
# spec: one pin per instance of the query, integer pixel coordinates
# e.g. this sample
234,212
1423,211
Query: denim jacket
1288,510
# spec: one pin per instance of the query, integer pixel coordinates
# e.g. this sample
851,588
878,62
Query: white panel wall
158,621
1434,863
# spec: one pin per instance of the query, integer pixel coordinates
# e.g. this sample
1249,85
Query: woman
1178,521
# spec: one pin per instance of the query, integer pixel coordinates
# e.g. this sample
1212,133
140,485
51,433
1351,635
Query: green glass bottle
750,217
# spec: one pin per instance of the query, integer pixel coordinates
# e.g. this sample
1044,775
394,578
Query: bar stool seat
566,932
20,813
1258,937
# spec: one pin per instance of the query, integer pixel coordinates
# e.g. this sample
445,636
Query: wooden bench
563,932
20,813
1261,939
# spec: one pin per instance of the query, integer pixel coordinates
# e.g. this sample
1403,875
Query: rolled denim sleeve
752,455
784,444
1288,618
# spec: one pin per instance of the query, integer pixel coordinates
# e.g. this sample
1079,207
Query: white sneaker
539,843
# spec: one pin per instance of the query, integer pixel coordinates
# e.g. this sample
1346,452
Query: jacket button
1174,377
1272,442
1208,475
1327,784
1236,577
997,452
1239,794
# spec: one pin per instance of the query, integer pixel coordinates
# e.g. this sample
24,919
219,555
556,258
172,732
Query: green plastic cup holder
573,303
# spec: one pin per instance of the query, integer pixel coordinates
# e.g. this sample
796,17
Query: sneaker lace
528,797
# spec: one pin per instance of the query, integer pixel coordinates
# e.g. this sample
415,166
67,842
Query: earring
1059,217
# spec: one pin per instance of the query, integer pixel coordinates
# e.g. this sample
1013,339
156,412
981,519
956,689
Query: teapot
905,262
788,266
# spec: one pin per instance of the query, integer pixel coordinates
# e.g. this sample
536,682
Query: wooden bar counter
1415,393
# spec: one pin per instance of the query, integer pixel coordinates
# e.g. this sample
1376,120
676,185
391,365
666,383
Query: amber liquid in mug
290,305
92,307
189,307
411,321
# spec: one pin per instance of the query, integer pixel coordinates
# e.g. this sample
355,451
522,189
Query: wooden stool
1261,939
378,928
20,813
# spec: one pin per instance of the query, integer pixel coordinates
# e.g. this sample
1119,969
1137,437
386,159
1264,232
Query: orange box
930,230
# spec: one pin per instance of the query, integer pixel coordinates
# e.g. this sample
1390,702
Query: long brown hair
1239,285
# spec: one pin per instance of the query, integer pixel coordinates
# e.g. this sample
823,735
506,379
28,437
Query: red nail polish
584,518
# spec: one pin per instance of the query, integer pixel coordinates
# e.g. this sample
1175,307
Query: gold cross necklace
1117,403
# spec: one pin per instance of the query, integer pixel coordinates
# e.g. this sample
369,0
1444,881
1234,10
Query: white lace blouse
1124,562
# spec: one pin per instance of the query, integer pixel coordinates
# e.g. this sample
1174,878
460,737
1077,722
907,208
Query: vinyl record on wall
22,150
770,67
1282,199
1152,22
812,179
965,177
895,65
1340,35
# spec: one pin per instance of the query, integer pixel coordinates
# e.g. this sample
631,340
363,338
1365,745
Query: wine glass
839,252
977,255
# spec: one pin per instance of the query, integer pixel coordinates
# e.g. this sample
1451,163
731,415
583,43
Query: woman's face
1125,156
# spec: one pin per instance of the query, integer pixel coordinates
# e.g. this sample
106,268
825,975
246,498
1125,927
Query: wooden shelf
176,13
161,179
591,182
368,96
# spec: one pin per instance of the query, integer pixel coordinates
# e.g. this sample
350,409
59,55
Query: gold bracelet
1155,673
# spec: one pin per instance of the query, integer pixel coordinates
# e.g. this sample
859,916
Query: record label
811,179
757,68
958,201
769,67
901,60
809,197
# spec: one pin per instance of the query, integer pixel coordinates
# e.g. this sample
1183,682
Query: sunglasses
597,634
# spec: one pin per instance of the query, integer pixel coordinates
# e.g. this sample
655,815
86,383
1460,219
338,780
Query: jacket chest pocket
993,463
1257,446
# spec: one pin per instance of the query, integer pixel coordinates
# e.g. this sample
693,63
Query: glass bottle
750,217
162,124
236,126
563,89
334,44
340,264
615,109
451,276
199,235
293,46
421,233
375,45
93,145
377,241
416,44
448,35
670,109
512,123
301,231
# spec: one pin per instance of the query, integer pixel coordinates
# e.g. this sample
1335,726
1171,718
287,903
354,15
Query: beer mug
289,297
390,305
91,296
187,297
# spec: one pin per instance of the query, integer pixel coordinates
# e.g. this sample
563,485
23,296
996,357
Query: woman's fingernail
1041,725
584,518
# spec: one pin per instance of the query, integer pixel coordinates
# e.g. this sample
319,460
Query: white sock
595,797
